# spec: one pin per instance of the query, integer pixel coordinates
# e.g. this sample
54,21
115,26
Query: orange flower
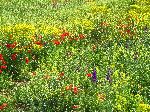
33,73
69,87
47,77
101,96
81,36
61,74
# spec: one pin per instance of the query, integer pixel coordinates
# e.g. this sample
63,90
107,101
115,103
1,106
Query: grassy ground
81,56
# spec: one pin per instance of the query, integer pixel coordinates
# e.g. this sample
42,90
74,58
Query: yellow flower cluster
144,107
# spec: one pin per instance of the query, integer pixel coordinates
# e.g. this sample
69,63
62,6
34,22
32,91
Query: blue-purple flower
94,77
109,73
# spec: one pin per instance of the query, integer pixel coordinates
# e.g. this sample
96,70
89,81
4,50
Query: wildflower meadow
74,55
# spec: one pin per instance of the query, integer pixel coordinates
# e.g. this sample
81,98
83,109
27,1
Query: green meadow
75,56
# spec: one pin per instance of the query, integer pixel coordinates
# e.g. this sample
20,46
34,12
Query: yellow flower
144,107
37,47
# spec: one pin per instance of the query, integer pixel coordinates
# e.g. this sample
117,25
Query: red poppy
27,60
3,67
56,42
64,35
89,75
4,105
75,106
29,51
81,36
14,56
1,57
38,43
1,71
128,31
13,45
4,62
1,107
8,45
75,90
76,39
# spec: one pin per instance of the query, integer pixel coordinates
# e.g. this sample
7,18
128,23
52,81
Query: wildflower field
75,55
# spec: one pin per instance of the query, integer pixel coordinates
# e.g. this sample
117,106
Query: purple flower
94,77
108,78
109,73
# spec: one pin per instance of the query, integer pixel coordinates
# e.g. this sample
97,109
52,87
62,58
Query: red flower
13,45
29,51
8,45
14,56
38,43
128,31
27,60
4,62
3,106
89,75
75,90
75,106
64,35
3,67
81,36
76,39
56,42
1,57
1,71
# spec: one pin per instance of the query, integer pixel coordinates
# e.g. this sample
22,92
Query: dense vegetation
77,56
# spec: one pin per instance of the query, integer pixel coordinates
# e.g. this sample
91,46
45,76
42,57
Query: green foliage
52,52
